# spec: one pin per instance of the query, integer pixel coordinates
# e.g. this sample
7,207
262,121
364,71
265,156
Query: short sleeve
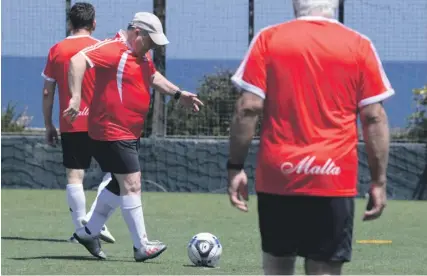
49,71
251,75
101,54
374,85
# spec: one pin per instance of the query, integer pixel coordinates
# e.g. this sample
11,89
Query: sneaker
92,244
151,250
104,235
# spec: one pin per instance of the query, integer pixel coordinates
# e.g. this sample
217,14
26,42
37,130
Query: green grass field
35,224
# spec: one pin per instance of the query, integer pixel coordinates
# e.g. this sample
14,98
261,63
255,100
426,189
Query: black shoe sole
88,249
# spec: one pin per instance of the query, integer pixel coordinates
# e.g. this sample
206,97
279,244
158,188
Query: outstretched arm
164,86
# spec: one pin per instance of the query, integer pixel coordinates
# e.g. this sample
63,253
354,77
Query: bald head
325,8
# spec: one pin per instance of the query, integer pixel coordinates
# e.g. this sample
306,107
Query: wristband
237,167
177,95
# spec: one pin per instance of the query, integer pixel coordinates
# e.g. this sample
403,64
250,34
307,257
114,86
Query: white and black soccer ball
204,249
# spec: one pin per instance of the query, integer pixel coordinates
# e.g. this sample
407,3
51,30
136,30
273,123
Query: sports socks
133,215
106,204
102,185
77,202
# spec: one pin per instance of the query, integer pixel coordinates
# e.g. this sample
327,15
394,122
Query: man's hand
190,100
378,198
238,189
51,136
72,111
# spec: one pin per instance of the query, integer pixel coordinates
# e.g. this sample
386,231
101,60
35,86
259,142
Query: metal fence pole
251,20
158,128
67,11
341,12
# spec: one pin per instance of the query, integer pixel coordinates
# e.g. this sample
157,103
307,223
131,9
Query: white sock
77,203
106,204
105,181
134,218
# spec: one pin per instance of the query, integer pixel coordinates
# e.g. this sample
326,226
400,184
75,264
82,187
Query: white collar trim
76,36
317,18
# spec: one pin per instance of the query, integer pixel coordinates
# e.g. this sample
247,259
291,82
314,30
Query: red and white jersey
56,70
122,90
313,74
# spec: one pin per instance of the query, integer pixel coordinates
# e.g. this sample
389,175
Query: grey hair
308,7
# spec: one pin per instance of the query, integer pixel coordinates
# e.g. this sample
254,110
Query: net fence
211,44
398,31
208,41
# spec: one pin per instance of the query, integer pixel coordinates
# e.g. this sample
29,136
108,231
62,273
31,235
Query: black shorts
76,152
120,157
316,228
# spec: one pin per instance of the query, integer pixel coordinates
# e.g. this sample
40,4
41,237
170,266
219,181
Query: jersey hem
315,193
248,87
378,98
47,78
113,139
72,130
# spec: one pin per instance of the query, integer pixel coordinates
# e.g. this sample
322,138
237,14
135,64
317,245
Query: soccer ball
204,249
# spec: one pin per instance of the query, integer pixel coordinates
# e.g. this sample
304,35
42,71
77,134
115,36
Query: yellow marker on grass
374,241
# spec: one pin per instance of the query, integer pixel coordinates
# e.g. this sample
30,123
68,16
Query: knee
322,268
132,183
134,187
75,176
273,265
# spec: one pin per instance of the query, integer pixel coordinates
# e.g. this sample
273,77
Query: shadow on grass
79,258
33,239
75,258
196,266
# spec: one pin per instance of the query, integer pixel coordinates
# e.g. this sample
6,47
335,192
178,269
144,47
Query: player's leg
273,265
74,161
128,175
329,232
75,196
107,201
121,158
278,225
105,234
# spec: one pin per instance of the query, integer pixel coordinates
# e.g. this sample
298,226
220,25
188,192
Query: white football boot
151,250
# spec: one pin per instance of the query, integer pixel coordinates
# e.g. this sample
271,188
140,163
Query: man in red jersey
124,73
74,137
310,78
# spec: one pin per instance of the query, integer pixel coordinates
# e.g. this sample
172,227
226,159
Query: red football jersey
56,70
313,74
122,91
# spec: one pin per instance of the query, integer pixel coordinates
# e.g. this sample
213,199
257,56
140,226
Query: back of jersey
314,74
57,70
